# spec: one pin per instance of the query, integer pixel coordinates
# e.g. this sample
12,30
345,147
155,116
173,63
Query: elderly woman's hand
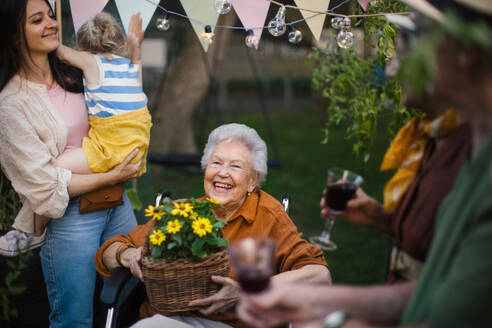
132,259
223,300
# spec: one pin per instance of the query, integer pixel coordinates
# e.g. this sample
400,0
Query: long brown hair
13,18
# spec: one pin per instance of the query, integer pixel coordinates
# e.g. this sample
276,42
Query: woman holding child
42,115
235,164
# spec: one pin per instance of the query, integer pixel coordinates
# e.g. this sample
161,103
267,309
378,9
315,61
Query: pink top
72,108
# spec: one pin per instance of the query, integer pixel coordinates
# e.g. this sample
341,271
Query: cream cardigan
32,135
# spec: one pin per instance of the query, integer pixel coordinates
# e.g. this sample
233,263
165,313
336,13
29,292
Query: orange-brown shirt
261,215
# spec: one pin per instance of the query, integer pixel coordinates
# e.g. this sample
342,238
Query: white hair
246,135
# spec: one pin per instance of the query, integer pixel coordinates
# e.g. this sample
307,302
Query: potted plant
183,249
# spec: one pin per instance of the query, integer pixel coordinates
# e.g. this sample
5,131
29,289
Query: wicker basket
170,286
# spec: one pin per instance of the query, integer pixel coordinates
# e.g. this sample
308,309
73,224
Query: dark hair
13,18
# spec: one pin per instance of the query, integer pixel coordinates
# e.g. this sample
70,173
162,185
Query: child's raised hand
135,32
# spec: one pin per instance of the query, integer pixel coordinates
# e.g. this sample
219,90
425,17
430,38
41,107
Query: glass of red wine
253,261
341,186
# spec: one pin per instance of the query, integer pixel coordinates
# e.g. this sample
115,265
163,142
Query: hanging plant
359,94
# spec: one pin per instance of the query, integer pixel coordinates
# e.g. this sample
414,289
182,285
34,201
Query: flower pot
171,286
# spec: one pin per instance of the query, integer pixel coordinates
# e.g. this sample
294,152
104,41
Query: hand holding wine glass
341,186
253,262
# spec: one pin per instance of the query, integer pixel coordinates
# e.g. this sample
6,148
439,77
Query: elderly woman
235,164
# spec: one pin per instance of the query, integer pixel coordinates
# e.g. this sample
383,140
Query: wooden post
59,20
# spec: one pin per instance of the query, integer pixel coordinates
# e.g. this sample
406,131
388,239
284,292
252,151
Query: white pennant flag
52,4
201,13
127,8
315,23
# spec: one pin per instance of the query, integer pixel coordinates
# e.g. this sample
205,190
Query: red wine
253,280
337,195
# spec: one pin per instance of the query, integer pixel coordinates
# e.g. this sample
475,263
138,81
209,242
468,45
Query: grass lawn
362,253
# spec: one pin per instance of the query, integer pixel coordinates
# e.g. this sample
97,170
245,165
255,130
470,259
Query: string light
295,36
345,38
337,22
207,34
162,23
222,6
251,40
276,26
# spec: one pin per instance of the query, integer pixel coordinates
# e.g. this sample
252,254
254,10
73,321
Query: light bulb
295,36
346,22
162,23
345,38
276,26
251,40
337,22
222,6
207,34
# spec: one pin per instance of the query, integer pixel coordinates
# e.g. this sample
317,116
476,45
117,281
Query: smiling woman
42,114
234,161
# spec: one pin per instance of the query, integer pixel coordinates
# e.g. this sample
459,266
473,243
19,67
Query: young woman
43,113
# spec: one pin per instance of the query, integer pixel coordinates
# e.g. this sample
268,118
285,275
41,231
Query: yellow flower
157,237
213,201
202,226
173,226
154,212
182,209
193,215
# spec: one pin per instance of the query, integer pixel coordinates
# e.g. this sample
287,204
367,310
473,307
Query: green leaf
134,199
178,238
196,247
156,252
171,245
222,242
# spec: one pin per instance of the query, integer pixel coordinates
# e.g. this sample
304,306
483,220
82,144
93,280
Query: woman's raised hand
126,171
223,300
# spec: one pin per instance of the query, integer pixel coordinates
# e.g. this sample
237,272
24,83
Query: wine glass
253,262
341,186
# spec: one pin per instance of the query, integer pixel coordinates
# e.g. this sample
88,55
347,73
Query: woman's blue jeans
67,258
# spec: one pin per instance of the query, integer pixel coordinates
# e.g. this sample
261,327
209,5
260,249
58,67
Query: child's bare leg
74,160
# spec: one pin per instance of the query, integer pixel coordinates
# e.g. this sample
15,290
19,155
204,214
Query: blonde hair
101,35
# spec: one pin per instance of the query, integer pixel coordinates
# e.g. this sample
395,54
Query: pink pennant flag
364,3
82,11
252,14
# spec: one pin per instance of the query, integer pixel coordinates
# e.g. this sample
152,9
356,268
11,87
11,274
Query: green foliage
378,32
9,286
9,203
356,96
357,91
185,229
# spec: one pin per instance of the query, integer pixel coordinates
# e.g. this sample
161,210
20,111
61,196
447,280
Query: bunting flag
315,23
252,14
202,12
364,3
127,8
52,4
82,11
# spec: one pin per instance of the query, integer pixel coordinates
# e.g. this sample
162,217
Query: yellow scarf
407,149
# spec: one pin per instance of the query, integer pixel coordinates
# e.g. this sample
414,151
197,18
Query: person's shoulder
269,204
13,94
